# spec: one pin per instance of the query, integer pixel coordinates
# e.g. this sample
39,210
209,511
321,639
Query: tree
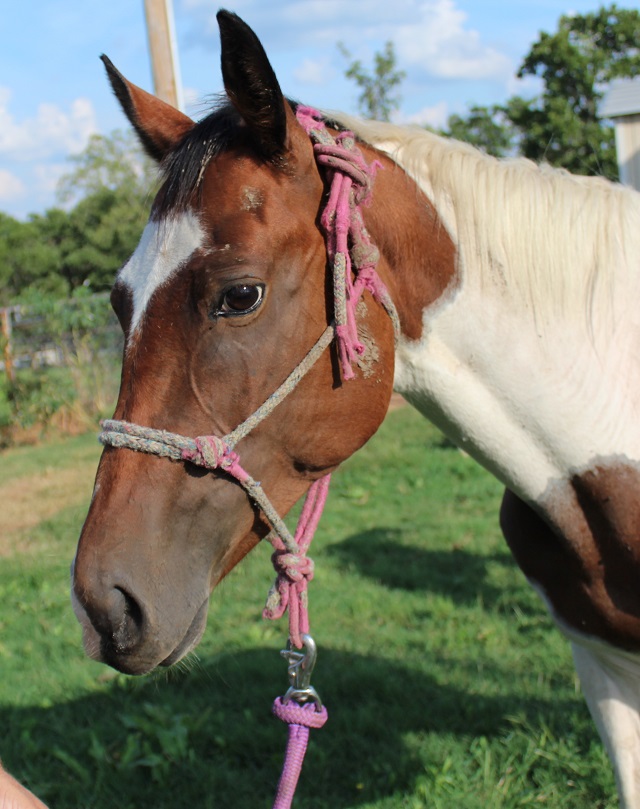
113,162
61,250
488,128
97,237
114,180
377,99
561,126
27,259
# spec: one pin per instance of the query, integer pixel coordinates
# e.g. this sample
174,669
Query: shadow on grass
205,738
454,572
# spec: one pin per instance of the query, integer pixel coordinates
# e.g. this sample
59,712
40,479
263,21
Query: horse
512,323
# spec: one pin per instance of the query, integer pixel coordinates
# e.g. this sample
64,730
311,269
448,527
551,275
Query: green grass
446,683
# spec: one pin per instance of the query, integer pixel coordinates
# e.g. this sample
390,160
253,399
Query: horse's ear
159,125
252,85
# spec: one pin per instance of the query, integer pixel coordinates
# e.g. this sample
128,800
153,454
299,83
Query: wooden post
5,320
163,51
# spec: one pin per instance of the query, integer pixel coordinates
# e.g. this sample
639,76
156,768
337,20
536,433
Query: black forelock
184,166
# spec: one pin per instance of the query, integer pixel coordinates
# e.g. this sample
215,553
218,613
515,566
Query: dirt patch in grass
396,402
27,501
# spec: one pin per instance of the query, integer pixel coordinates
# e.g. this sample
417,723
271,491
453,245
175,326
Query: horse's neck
530,384
540,242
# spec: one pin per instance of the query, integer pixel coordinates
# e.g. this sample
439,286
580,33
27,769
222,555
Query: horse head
224,296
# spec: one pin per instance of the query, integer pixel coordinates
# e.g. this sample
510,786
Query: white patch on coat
531,406
609,678
165,246
530,363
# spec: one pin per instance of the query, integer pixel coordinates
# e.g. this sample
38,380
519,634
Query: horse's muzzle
117,630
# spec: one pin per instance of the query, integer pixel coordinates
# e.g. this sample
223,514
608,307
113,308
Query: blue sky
53,93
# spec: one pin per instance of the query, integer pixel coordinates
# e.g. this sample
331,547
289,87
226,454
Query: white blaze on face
164,247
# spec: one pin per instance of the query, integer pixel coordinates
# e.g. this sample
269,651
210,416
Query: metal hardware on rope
302,709
301,665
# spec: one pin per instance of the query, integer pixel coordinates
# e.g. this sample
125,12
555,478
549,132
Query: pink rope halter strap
349,245
353,259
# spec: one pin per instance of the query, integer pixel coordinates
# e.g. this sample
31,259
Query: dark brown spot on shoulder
582,546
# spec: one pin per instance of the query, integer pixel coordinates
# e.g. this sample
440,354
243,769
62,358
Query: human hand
14,796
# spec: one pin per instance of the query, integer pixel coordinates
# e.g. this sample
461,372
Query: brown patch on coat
583,549
418,259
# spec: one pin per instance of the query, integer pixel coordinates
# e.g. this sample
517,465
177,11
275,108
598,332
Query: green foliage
88,343
109,163
445,681
377,99
487,128
59,251
38,394
575,64
98,236
561,126
28,259
113,180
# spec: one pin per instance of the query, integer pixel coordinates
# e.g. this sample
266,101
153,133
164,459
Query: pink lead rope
295,570
350,180
300,708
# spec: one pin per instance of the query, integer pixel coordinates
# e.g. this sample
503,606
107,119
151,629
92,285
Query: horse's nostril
126,621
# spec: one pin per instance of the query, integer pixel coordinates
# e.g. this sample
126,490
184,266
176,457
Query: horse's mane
552,239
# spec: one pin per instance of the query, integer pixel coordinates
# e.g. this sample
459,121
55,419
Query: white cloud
11,187
435,116
431,35
51,131
314,71
439,42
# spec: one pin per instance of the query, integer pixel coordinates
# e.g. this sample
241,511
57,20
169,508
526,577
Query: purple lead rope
300,719
350,180
300,708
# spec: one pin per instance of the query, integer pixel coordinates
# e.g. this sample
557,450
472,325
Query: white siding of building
622,105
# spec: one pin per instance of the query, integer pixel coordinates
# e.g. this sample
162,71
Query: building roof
622,98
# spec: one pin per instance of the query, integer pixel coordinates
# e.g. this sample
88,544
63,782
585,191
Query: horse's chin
142,659
191,639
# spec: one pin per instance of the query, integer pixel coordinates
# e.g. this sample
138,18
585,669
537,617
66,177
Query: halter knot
289,591
346,158
307,716
210,452
292,566
352,255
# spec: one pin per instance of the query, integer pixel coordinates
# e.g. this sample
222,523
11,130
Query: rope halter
352,259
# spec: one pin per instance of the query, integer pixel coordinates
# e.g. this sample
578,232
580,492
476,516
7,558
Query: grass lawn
446,683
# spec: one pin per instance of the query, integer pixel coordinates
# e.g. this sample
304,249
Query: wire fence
55,333
60,360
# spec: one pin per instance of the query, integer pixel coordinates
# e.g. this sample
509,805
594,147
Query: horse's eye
241,299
